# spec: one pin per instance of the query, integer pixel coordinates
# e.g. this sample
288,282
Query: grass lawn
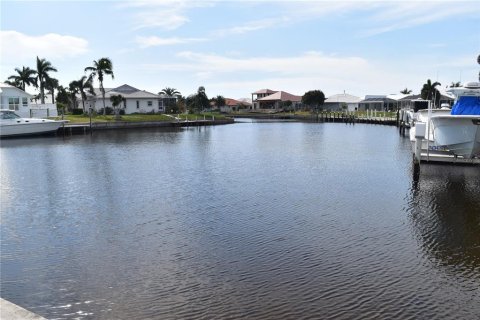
139,117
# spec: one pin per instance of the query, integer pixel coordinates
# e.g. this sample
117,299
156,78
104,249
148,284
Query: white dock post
420,128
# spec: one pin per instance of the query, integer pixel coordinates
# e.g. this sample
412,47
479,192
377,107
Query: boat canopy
466,106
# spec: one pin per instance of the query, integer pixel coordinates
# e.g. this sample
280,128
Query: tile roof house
234,105
270,99
341,101
136,100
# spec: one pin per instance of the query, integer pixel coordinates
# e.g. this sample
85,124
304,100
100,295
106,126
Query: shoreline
12,311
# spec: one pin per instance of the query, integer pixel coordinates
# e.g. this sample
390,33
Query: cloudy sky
233,48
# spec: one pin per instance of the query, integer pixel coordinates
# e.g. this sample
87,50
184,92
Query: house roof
282,96
343,98
411,97
232,102
264,91
377,99
7,86
126,91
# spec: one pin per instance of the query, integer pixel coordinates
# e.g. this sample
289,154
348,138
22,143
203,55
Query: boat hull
459,134
30,128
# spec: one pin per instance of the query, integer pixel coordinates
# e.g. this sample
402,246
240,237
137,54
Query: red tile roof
282,96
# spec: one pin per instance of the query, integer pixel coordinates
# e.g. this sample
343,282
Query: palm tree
406,91
24,77
169,92
171,99
430,92
51,84
43,68
73,88
80,86
219,101
14,83
100,68
455,84
116,100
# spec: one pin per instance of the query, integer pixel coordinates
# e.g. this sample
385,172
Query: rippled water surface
243,221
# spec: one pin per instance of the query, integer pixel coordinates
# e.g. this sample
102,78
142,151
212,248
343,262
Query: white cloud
253,25
154,41
164,14
306,63
17,46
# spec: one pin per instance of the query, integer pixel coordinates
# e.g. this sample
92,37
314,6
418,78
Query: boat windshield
4,115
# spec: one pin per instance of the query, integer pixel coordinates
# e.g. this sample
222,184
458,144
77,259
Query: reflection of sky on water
263,219
444,210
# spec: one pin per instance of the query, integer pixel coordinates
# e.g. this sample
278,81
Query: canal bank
11,311
94,126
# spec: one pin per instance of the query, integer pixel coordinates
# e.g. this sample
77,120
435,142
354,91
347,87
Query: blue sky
233,48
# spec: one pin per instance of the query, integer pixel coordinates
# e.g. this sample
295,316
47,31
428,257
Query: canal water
244,221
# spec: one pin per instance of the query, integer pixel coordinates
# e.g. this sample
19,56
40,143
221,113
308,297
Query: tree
24,77
171,99
116,101
313,98
406,91
73,87
169,92
219,101
14,83
455,84
100,68
62,95
51,84
83,84
43,68
198,101
430,92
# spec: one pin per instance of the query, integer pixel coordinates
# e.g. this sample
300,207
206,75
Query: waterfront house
135,100
267,99
19,101
234,105
379,103
341,102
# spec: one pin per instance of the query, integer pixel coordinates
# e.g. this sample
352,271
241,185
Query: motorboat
11,124
453,132
459,131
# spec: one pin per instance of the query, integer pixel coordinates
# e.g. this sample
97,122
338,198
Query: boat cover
467,106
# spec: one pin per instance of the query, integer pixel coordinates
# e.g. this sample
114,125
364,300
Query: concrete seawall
84,127
10,311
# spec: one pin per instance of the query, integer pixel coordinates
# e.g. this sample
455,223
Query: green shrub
77,112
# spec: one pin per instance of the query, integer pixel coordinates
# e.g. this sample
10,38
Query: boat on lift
450,133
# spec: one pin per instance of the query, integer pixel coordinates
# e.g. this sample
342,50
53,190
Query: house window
138,104
13,103
149,103
25,102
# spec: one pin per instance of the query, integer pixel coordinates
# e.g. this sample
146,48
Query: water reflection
444,210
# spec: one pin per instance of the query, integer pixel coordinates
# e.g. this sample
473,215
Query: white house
20,101
135,100
342,101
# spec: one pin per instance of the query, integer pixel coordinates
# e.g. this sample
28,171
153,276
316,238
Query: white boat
11,124
455,132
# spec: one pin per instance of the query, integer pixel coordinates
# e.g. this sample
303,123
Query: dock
447,158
